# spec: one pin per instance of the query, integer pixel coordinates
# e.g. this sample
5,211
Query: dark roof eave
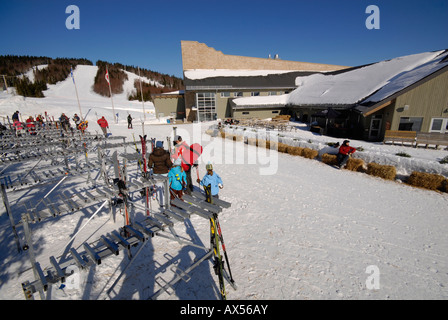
323,106
255,106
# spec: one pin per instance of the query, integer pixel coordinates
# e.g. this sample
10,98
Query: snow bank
426,160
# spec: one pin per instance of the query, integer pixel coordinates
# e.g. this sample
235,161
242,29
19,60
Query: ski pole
136,149
93,215
197,173
223,247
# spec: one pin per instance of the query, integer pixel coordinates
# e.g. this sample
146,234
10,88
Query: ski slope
299,231
61,97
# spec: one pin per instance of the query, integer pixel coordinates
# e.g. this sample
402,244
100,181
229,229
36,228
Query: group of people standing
31,124
178,170
80,124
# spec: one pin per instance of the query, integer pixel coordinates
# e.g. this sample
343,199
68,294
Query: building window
439,125
245,112
225,94
275,111
237,94
255,94
206,104
410,124
272,93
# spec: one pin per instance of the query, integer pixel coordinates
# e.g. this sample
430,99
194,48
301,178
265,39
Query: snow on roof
352,86
406,79
198,74
261,101
174,92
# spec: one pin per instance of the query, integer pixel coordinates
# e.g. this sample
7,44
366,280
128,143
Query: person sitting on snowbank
344,153
213,180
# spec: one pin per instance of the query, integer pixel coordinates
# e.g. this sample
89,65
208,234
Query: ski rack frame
34,178
138,234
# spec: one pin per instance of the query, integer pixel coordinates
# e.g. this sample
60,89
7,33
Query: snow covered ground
297,228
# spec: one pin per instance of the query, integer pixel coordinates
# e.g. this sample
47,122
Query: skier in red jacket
344,153
104,125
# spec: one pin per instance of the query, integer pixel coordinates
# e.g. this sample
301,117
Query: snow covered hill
303,231
61,97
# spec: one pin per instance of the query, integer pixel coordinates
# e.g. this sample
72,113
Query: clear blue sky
148,33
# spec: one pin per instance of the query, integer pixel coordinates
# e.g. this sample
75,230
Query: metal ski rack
133,235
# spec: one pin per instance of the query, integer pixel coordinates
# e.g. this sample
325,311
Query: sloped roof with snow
260,101
406,79
376,81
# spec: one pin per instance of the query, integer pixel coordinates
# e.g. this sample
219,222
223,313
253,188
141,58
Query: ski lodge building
407,93
213,79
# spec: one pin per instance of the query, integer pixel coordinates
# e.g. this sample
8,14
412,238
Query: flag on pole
71,73
107,76
76,90
110,91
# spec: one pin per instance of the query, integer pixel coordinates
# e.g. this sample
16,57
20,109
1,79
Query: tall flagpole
110,90
76,90
141,92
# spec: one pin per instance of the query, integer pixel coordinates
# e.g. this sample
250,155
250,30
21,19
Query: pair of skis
216,238
145,173
120,180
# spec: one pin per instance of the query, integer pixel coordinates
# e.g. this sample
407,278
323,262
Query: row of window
228,94
206,103
273,112
415,124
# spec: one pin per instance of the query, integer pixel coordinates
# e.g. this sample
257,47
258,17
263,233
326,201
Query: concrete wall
170,104
257,113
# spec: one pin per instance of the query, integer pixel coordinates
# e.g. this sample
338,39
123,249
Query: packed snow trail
310,231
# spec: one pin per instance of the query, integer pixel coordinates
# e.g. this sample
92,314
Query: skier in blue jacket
177,180
212,179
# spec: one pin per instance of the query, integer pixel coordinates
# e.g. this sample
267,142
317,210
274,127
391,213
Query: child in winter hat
211,179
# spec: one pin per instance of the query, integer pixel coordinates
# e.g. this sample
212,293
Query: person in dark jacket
65,122
15,116
344,153
129,121
160,160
